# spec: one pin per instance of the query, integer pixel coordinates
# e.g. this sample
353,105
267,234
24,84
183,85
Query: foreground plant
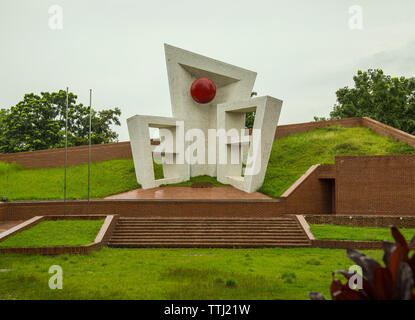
395,281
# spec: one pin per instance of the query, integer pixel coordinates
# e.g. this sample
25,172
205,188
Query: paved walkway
6,225
189,193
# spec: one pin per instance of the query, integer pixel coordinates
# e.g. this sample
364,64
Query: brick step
293,224
212,233
206,230
206,244
186,220
206,226
203,220
231,237
210,240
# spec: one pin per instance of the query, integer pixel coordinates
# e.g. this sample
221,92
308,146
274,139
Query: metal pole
89,147
66,148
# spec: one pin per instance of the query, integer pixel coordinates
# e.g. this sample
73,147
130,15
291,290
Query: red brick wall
146,208
309,194
122,150
76,155
364,185
3,211
362,221
375,185
388,131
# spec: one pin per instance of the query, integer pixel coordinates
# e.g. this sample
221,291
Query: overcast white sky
303,51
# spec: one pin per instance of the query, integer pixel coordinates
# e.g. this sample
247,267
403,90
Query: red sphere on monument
203,90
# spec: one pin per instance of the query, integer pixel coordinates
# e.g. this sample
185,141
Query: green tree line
387,99
38,122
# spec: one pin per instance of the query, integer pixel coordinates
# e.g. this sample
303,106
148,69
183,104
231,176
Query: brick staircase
208,232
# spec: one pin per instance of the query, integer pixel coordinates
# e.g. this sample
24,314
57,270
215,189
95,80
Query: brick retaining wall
388,131
375,185
122,150
101,239
289,129
146,208
362,221
346,244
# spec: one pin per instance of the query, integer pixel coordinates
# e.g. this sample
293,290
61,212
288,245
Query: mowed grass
292,156
56,233
335,232
107,178
110,273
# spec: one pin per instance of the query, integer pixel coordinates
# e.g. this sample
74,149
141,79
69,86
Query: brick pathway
188,193
6,225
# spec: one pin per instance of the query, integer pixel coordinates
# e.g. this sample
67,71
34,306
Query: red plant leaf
368,289
388,248
395,260
399,238
343,292
411,263
411,244
366,263
382,284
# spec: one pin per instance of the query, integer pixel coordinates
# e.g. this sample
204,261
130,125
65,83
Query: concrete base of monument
170,193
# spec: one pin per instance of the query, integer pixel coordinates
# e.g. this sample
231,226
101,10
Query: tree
380,97
38,122
3,114
250,116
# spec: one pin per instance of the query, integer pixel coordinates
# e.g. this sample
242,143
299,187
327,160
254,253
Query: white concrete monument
206,135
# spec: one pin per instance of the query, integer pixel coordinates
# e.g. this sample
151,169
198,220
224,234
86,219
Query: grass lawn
292,156
56,233
334,232
275,273
107,177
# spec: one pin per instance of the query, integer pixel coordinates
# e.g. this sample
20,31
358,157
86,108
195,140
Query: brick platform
214,193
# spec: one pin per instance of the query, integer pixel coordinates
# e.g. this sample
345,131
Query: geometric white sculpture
193,122
138,128
232,115
232,83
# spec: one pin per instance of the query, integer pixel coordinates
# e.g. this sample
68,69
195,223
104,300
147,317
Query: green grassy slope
107,177
176,274
293,155
334,232
56,233
290,158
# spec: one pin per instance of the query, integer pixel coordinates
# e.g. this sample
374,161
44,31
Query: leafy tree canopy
38,122
250,116
380,97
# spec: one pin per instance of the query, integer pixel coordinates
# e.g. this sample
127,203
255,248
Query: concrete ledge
101,239
299,181
305,227
336,244
388,131
21,227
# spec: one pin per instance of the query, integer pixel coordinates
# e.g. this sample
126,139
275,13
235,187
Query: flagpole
89,148
66,149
